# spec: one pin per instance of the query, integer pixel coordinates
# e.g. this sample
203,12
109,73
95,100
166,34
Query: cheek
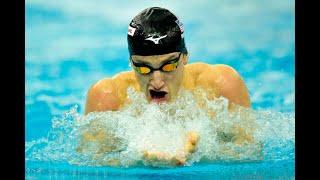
142,80
174,80
178,75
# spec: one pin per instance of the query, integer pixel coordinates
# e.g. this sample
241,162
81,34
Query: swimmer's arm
229,84
102,96
226,82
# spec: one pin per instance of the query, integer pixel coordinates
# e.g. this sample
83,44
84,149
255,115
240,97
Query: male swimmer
159,57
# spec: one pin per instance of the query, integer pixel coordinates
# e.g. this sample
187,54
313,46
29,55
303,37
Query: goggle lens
169,67
144,70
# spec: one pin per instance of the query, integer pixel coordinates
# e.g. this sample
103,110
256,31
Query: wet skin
162,87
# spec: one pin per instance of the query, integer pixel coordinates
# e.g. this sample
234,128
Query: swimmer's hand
158,157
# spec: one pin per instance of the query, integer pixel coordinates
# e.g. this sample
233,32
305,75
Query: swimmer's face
160,85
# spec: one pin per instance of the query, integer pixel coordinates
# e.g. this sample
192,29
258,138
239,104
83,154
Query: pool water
263,170
140,126
68,49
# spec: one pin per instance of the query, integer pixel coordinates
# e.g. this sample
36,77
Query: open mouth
157,94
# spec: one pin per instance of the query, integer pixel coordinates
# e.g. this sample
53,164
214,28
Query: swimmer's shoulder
124,80
231,85
196,67
102,96
116,83
112,82
109,93
205,71
201,68
223,79
126,77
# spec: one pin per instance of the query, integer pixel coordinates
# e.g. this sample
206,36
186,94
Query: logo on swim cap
131,30
154,39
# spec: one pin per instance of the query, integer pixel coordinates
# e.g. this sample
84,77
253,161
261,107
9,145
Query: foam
142,126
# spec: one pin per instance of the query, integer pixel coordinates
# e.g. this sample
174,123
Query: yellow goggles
166,67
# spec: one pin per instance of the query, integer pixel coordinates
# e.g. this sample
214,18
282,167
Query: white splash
141,126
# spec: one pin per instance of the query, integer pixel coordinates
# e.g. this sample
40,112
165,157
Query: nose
157,80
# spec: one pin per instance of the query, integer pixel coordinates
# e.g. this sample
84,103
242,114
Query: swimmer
159,58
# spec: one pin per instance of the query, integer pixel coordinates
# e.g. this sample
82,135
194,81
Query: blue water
253,170
70,45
